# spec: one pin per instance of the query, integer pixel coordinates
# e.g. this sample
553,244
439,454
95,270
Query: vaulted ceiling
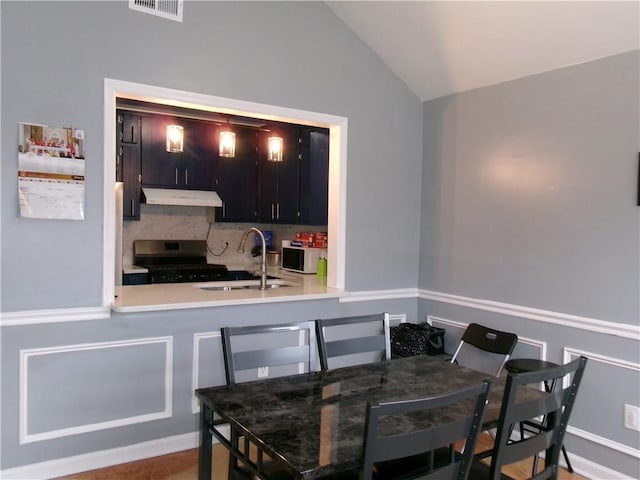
443,47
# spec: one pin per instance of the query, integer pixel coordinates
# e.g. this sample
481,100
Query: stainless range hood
191,198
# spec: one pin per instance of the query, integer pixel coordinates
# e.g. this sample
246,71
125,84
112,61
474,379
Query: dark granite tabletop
315,422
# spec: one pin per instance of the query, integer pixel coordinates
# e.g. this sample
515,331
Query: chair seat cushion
521,365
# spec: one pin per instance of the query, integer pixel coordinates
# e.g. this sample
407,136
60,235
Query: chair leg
566,459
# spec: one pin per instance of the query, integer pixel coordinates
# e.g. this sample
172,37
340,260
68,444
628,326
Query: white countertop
174,296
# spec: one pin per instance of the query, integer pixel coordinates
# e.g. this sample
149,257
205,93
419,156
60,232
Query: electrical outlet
632,417
263,372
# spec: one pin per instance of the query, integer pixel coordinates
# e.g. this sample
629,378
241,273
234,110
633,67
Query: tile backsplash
163,222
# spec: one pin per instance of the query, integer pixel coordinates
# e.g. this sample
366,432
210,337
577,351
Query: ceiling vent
170,9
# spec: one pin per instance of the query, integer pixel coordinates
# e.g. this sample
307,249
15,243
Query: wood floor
184,466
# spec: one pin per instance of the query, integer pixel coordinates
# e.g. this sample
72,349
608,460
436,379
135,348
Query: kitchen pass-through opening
337,162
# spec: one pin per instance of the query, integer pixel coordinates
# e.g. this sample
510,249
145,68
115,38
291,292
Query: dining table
312,424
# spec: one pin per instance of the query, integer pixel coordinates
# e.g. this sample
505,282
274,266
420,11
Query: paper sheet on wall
50,172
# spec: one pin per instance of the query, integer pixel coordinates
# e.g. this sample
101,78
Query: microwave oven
300,259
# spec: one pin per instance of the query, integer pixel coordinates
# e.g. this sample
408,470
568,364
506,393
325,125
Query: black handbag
409,339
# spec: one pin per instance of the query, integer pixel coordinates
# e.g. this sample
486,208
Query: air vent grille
170,9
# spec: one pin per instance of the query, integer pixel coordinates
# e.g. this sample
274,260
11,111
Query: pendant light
227,142
275,149
175,138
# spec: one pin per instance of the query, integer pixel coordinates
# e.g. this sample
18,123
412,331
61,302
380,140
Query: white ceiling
444,47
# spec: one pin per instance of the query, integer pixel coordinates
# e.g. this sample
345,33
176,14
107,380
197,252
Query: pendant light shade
227,144
175,138
275,149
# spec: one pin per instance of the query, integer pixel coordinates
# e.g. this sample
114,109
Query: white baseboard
592,470
104,458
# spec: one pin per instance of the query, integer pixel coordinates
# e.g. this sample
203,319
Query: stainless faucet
263,264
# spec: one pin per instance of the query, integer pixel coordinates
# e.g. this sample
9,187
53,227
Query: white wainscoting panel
195,369
571,354
30,355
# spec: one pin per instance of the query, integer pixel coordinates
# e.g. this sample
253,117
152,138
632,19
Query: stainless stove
176,261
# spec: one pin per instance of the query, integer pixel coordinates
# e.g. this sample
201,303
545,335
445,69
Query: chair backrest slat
380,341
271,357
488,340
340,348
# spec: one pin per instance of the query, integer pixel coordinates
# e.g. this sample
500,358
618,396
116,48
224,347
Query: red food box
305,236
311,239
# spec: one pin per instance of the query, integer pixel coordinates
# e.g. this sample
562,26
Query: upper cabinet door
314,178
128,162
279,181
159,167
200,155
236,179
289,178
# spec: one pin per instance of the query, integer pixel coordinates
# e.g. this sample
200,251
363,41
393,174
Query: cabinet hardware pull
176,176
277,211
133,208
186,176
272,212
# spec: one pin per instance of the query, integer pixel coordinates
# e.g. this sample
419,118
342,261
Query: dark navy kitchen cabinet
129,128
193,168
252,188
128,162
200,154
314,178
278,184
131,182
236,178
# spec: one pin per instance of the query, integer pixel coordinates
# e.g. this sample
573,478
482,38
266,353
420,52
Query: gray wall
292,54
530,192
530,224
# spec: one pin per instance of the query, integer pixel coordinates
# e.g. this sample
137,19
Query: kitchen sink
243,284
234,275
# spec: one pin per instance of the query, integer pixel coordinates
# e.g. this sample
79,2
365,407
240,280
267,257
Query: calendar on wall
51,172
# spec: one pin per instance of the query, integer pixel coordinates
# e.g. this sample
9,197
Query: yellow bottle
321,270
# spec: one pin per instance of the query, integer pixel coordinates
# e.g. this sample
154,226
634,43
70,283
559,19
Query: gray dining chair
477,339
285,349
411,439
365,335
555,407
